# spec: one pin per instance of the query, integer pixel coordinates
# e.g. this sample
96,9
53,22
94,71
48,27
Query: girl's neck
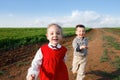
54,44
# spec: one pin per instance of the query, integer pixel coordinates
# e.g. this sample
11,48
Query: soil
15,63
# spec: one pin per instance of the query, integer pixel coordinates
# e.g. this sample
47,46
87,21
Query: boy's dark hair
80,26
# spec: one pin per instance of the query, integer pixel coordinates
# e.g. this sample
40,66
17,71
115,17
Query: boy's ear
75,32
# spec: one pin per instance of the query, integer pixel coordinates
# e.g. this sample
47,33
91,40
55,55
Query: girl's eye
58,33
51,33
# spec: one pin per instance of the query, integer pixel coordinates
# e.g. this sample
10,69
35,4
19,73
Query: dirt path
94,52
16,70
95,70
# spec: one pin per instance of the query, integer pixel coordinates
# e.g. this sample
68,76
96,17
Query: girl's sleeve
35,65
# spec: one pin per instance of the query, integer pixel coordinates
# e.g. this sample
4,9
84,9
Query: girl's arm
35,66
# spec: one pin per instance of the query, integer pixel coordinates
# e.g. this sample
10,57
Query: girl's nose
55,34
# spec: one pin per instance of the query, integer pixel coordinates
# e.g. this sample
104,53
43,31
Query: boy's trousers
78,66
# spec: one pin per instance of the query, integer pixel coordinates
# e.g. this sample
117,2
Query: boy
80,52
48,62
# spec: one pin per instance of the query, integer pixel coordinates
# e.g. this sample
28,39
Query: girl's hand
31,77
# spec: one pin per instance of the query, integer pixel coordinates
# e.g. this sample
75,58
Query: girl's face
80,32
54,35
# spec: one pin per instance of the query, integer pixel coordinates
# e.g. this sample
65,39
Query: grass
11,38
116,62
18,64
104,57
109,44
112,42
16,37
117,78
68,32
2,72
115,31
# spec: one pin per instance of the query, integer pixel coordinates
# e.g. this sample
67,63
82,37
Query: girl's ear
47,36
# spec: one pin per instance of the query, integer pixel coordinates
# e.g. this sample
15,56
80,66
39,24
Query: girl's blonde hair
54,24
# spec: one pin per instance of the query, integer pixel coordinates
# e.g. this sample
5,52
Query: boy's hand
31,77
83,47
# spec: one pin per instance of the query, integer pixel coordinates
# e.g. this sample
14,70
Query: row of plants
16,37
11,38
114,30
111,44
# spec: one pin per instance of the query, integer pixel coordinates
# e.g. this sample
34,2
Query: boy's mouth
81,35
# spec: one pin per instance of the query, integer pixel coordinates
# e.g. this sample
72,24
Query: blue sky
67,13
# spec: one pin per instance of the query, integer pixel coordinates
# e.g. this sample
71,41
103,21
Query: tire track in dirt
95,51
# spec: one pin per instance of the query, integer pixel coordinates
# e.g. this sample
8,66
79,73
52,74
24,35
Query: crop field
16,37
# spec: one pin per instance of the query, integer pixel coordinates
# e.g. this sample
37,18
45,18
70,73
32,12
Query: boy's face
54,35
80,32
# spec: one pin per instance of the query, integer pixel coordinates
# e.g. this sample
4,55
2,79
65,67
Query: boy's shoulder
78,40
84,38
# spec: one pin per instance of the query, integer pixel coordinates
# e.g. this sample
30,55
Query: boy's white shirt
37,61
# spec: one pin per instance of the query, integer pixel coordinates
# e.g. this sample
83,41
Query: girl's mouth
55,39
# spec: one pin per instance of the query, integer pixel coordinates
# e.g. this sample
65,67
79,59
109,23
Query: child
80,52
48,62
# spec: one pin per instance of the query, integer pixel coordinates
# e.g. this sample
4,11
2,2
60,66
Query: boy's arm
75,45
86,41
79,47
35,65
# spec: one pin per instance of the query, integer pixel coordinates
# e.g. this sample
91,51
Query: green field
16,37
114,30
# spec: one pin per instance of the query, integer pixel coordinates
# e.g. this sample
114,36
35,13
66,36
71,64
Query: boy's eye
81,31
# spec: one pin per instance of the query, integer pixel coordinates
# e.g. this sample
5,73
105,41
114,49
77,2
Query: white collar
58,46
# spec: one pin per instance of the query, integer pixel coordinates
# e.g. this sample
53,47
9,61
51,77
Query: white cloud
88,18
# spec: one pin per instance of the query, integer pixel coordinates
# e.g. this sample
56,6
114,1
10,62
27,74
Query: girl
48,62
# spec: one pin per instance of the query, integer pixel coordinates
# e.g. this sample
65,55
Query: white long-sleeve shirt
37,61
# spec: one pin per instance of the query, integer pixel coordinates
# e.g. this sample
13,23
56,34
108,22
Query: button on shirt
37,61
